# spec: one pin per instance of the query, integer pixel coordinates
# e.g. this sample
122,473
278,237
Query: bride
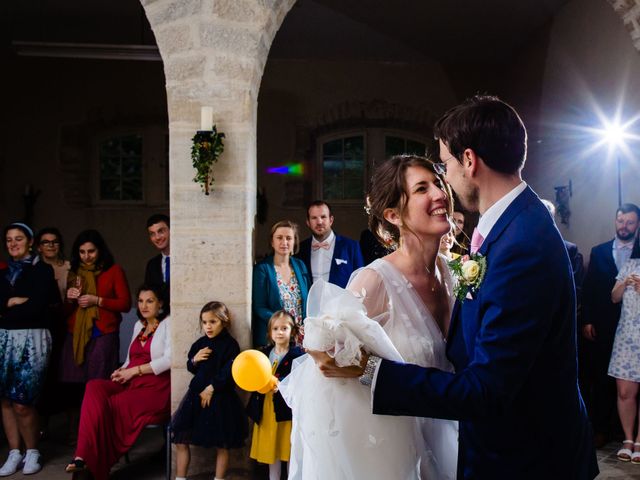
409,294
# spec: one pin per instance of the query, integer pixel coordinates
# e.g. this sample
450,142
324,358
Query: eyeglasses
441,167
49,243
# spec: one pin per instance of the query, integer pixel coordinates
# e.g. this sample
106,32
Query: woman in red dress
138,394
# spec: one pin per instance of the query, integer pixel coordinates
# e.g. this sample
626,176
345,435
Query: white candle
206,118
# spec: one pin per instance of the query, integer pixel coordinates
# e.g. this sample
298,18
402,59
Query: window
399,145
121,168
348,159
131,167
343,164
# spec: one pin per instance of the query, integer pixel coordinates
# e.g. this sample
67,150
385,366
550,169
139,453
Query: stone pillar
214,52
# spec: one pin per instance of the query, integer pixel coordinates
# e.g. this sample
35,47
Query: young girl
272,430
211,413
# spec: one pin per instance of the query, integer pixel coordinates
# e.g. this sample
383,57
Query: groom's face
458,179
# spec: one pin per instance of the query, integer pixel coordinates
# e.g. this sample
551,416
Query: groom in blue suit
512,339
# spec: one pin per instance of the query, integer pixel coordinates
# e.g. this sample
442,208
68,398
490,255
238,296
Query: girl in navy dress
271,441
211,413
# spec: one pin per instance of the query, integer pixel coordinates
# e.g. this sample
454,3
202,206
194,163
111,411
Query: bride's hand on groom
328,367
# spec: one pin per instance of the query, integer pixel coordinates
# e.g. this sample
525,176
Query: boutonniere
340,261
468,271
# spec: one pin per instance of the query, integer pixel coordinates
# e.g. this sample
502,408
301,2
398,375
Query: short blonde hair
277,315
287,224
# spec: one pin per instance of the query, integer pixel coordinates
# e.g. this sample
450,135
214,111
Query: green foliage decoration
206,148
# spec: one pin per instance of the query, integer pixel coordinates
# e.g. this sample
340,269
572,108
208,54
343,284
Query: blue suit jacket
265,296
514,350
345,249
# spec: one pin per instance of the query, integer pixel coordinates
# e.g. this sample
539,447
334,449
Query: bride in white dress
409,294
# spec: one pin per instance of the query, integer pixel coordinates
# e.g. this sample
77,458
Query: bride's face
427,206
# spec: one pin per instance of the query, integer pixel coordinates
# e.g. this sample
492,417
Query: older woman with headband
27,291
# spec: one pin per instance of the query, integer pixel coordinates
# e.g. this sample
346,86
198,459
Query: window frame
374,141
154,165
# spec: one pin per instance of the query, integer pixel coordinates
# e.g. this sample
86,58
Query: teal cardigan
266,296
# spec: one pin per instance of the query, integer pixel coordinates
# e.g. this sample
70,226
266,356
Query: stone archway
214,55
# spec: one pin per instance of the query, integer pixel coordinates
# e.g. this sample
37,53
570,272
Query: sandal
76,465
624,454
635,456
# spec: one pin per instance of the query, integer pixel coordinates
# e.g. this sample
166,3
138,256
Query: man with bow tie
327,255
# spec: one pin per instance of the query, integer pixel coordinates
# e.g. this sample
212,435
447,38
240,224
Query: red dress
113,415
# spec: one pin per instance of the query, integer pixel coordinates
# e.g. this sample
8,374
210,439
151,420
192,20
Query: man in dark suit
512,340
158,271
600,315
327,255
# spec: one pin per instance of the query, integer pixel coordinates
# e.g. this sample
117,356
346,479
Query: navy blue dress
223,423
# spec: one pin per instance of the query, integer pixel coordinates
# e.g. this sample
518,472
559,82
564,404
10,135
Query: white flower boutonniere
468,271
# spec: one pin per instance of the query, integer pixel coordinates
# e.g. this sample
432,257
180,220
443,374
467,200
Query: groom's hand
328,367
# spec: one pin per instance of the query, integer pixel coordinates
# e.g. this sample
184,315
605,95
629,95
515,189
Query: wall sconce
563,194
207,145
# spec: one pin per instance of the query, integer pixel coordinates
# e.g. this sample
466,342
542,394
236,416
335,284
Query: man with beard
327,255
600,315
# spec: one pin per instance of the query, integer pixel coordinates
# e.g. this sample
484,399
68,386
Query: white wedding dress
335,435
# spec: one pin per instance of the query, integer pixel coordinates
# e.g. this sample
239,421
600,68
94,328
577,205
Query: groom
513,339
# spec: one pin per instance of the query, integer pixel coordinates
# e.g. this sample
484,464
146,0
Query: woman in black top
27,293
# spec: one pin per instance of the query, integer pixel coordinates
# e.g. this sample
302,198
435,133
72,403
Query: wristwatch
369,369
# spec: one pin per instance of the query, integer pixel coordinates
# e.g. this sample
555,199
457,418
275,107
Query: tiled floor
612,468
147,461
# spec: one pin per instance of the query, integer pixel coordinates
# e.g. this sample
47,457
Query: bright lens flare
614,134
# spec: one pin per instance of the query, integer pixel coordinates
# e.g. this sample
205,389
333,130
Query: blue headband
22,225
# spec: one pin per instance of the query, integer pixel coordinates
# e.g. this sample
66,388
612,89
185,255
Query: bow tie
318,245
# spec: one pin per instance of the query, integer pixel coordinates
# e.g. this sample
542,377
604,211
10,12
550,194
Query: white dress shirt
321,258
493,213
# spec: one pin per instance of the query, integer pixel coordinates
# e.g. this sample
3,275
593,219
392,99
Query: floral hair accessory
468,272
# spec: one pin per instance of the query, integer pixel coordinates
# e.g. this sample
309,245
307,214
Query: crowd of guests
60,319
59,338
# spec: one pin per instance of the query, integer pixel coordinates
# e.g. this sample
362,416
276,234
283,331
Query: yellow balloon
251,370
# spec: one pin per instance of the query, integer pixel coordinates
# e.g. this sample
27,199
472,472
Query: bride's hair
388,190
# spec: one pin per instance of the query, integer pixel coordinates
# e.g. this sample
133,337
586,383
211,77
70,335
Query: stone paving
147,461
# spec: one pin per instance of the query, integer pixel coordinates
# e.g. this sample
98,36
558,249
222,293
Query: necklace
433,276
143,336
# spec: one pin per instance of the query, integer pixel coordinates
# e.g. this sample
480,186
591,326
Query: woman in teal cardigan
280,282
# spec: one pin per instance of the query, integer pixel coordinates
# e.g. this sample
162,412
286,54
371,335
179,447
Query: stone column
214,54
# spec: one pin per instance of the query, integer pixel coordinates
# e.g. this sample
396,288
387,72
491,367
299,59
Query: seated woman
27,291
97,294
115,411
280,282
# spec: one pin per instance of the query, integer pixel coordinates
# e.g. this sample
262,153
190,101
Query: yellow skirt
271,440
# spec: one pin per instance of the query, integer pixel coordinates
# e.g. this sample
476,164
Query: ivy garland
206,148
